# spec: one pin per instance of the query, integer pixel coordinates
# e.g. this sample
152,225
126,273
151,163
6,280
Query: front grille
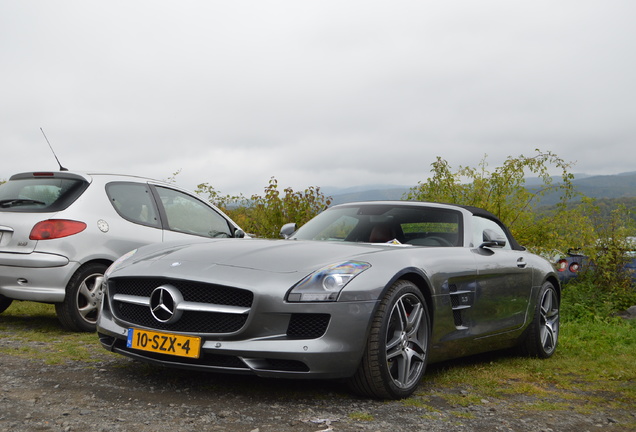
307,326
191,321
192,291
196,321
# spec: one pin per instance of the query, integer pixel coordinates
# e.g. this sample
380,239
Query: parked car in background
575,262
59,231
369,292
569,266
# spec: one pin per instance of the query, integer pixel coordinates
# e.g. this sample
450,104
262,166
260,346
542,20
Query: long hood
271,256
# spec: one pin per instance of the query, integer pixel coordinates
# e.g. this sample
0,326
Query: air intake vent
308,326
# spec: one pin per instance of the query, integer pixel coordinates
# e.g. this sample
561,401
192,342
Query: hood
273,256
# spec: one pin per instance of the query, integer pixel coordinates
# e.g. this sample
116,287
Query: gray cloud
315,93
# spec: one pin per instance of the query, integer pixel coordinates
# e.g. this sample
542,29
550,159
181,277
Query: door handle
521,263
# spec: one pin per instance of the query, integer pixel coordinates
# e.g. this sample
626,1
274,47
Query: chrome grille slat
207,308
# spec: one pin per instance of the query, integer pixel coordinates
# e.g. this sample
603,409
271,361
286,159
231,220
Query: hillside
606,186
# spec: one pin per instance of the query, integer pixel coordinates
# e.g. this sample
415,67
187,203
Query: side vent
460,301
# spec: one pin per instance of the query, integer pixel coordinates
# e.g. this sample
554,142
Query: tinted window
189,215
134,202
40,194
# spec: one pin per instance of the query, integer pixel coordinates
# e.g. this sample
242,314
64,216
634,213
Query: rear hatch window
41,192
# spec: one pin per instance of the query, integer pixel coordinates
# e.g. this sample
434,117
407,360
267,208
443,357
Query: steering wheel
441,240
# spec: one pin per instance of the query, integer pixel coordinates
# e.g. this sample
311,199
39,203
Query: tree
263,215
269,212
503,192
612,249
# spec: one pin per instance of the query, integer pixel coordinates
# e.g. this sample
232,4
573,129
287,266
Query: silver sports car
370,292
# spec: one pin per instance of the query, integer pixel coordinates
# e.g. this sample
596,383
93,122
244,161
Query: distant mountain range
605,186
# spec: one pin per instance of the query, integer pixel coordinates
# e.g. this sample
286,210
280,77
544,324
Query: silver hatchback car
59,232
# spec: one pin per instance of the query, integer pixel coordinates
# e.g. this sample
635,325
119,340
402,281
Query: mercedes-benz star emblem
164,304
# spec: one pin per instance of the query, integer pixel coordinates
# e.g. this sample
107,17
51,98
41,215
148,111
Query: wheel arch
78,311
554,280
421,282
104,261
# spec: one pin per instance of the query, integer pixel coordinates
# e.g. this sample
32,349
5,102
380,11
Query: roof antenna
51,147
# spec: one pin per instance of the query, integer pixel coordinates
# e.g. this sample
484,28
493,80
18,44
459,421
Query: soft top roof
477,211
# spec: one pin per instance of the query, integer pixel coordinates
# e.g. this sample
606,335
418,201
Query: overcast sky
315,93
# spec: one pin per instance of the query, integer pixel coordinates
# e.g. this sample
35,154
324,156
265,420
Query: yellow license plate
164,343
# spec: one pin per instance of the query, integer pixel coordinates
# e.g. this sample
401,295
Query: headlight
325,284
118,262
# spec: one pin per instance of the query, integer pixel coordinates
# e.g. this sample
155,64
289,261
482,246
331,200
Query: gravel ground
114,393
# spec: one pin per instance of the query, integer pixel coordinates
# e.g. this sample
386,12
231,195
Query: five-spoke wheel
542,336
397,349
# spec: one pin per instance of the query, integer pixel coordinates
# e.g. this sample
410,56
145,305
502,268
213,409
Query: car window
134,202
434,233
189,215
481,224
40,194
382,223
339,229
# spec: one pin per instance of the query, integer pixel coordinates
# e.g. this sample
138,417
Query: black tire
5,302
396,354
78,311
542,336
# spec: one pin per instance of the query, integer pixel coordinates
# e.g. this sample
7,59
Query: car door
503,281
185,216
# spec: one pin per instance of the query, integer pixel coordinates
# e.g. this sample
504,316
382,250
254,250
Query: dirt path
113,393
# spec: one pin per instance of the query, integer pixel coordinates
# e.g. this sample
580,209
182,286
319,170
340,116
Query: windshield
385,223
39,194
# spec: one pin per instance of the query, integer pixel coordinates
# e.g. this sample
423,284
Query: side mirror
492,239
239,233
287,230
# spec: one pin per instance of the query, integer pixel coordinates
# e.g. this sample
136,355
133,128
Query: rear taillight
56,228
562,265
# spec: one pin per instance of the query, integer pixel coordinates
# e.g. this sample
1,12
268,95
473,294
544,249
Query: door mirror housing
492,239
287,230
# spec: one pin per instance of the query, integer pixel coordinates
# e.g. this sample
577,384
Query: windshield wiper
18,202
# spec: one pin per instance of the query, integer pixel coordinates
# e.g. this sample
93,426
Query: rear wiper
17,202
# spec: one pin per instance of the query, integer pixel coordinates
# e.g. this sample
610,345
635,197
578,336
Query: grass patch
595,365
44,338
604,365
361,416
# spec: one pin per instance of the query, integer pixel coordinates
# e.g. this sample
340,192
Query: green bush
264,215
503,192
583,300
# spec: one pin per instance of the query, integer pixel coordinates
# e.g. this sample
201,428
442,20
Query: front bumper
264,346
